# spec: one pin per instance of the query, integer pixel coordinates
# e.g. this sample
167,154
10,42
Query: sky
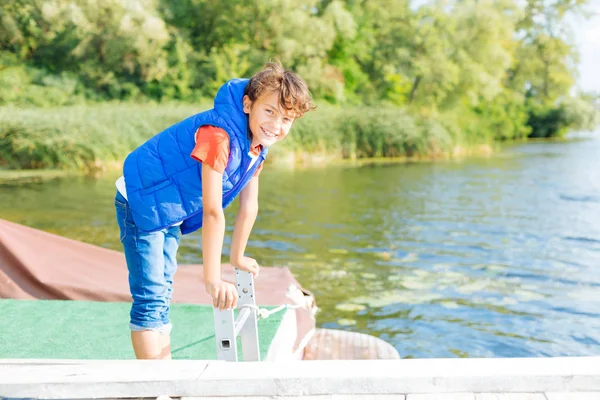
587,39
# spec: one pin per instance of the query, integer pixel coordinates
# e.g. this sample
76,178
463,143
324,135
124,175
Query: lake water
484,257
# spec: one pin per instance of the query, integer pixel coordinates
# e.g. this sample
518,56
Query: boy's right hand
224,294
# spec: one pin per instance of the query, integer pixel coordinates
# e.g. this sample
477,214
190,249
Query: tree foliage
505,68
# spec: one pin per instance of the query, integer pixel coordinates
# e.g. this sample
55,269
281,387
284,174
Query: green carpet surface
99,330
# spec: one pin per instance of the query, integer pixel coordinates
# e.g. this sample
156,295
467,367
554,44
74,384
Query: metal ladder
245,325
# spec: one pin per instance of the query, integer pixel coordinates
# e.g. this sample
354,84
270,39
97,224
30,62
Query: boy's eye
287,120
270,111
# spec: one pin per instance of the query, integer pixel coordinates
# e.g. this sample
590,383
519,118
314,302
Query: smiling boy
181,179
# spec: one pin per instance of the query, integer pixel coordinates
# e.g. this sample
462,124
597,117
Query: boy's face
268,122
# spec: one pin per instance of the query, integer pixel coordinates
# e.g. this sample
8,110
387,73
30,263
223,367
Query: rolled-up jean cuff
163,329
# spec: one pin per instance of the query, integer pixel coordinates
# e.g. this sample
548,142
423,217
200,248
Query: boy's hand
246,264
224,294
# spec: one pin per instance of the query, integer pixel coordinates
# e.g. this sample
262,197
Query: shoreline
300,160
286,160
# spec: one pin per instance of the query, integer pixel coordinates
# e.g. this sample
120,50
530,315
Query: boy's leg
149,289
170,254
147,345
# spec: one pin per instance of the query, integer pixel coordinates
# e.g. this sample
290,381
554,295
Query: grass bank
98,137
18,177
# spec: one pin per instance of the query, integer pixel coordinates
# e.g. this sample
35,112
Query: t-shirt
212,148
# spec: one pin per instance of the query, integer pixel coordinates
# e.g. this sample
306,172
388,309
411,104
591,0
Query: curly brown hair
293,91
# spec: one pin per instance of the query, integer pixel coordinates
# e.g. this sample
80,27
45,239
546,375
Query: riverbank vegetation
83,82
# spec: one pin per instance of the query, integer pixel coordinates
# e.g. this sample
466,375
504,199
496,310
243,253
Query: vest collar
229,105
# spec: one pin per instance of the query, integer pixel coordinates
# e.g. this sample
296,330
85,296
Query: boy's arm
213,229
243,226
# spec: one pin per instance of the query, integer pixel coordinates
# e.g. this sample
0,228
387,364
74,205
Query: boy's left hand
246,264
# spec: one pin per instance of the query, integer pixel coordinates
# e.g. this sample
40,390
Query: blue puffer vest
164,184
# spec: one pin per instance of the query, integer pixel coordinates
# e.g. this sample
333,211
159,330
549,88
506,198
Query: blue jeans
151,261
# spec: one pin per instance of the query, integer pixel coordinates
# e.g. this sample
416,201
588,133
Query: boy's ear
247,104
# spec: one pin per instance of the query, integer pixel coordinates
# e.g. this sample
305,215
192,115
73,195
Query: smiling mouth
268,134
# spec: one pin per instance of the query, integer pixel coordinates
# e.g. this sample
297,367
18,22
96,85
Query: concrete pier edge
72,379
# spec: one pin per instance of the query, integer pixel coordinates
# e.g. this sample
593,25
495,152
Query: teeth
269,134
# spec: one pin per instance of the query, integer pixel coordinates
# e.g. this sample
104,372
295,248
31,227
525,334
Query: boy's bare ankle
165,354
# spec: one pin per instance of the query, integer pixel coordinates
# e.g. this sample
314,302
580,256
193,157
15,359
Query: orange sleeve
212,147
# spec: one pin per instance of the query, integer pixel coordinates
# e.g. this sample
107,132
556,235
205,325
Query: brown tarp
38,265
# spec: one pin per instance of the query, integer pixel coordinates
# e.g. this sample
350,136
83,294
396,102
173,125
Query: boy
183,178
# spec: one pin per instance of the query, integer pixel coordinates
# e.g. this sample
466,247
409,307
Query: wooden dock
571,378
